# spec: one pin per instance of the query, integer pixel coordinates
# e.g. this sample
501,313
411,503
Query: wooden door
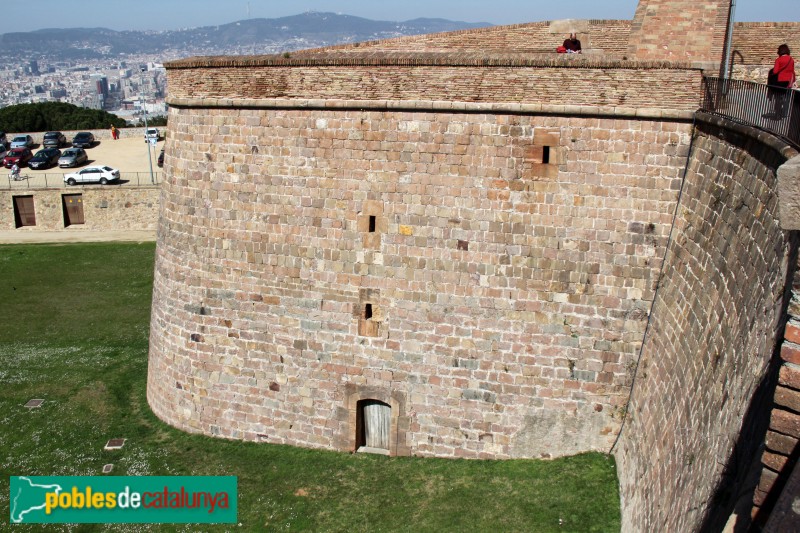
24,212
73,209
377,424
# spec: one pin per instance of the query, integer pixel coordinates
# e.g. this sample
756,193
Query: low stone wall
104,134
104,208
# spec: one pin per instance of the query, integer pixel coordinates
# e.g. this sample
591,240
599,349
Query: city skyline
175,14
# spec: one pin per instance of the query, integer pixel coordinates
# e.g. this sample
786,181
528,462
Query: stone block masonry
715,322
679,30
103,208
509,269
448,238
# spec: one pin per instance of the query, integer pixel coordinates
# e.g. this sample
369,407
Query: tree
48,116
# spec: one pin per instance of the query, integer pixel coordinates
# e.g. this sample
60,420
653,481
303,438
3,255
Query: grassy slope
73,330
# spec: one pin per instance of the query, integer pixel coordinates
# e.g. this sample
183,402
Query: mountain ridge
260,35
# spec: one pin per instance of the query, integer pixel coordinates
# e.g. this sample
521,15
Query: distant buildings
109,84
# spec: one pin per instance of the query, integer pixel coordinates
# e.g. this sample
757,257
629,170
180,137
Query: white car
101,175
151,133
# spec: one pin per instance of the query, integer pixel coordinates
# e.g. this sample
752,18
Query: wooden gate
73,209
376,423
24,212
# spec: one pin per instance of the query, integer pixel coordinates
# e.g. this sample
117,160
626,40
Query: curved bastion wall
420,233
493,296
697,414
458,251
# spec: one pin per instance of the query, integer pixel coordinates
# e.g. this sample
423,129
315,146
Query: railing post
793,116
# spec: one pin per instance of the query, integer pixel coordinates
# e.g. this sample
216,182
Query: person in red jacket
782,75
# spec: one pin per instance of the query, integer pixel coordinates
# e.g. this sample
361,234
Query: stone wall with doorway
103,208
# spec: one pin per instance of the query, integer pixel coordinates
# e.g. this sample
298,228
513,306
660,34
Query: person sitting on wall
15,172
572,45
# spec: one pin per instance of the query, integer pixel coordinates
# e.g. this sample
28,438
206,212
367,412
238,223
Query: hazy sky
173,14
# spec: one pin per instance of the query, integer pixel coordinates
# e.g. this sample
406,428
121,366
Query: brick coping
432,106
768,139
438,59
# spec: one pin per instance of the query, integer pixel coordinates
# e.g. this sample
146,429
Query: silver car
22,141
73,157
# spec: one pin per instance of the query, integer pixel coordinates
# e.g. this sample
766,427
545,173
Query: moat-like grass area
74,323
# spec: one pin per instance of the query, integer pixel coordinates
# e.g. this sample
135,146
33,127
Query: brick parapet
679,30
756,43
609,37
650,85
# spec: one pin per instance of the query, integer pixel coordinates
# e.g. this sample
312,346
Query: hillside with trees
47,116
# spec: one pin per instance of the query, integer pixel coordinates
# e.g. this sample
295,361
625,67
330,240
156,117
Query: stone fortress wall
717,318
509,295
513,271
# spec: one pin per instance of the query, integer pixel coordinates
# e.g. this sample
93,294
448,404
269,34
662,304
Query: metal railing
33,179
772,109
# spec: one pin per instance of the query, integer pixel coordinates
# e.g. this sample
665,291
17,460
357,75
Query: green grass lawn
74,323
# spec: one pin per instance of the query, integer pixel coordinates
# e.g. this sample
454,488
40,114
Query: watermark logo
123,499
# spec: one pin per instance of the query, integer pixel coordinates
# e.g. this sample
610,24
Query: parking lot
129,155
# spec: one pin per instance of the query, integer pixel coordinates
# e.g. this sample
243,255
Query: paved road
66,235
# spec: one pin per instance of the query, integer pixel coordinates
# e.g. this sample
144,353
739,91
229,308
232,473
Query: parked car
101,175
20,156
22,141
2,151
73,157
45,158
4,139
151,133
83,139
161,158
54,139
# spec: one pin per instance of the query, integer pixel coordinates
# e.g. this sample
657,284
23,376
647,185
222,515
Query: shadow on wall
742,472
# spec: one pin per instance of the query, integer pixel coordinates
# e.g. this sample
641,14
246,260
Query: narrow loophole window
368,311
546,155
372,223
